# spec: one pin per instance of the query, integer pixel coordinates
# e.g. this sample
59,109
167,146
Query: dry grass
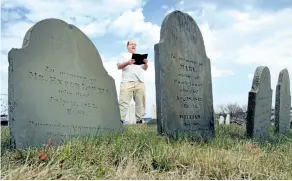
139,153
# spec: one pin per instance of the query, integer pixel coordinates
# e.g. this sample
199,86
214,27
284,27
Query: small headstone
221,120
283,103
58,87
259,104
184,96
227,120
132,117
153,112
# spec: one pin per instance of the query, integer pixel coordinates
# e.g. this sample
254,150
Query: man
132,84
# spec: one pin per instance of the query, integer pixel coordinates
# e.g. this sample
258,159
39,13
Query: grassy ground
139,153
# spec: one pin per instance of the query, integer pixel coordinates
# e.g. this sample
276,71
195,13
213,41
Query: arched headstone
58,87
283,102
184,96
259,104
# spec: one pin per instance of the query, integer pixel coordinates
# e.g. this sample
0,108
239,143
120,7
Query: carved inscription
190,88
70,86
75,128
262,114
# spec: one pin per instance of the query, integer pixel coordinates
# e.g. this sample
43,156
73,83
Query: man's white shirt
131,73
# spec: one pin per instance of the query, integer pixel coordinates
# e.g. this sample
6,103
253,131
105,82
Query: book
139,58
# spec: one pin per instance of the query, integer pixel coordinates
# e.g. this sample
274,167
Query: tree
237,112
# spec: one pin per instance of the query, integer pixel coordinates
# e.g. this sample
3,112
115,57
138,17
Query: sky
239,36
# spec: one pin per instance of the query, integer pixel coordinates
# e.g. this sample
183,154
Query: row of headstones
59,88
184,86
260,112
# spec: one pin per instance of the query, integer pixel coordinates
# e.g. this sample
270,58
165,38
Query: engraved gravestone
58,87
184,97
283,102
259,104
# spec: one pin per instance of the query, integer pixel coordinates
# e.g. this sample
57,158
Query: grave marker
58,87
259,104
283,102
184,97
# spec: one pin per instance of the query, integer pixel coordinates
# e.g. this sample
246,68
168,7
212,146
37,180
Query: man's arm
125,64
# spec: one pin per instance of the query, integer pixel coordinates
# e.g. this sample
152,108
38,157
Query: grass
139,153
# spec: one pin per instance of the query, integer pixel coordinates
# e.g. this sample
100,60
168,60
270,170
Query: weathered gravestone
184,97
283,102
58,87
259,104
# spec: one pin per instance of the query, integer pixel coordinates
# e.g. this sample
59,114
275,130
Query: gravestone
221,120
184,96
283,102
132,117
58,87
227,120
153,112
259,104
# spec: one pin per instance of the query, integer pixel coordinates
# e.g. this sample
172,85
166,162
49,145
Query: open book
139,58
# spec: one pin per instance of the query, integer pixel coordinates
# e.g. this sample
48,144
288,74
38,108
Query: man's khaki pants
135,90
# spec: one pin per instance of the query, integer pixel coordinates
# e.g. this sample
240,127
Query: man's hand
145,67
130,62
125,64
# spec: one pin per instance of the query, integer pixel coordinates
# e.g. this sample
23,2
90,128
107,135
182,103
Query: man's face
132,46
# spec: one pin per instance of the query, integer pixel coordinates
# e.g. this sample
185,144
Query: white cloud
132,24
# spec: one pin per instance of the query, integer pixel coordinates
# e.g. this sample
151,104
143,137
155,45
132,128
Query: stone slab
259,104
183,81
58,87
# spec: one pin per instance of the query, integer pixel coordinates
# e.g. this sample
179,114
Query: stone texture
58,87
259,104
184,97
283,102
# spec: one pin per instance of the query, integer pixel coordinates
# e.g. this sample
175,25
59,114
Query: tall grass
139,153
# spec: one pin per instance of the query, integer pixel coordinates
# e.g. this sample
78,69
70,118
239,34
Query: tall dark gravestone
259,104
283,102
183,81
58,87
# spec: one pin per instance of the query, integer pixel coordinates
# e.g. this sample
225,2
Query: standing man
132,84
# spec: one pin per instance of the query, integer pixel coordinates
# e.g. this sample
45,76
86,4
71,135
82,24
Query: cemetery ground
139,153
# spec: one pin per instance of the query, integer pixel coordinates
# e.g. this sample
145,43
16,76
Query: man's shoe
139,122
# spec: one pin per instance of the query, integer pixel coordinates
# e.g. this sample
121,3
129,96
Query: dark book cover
139,58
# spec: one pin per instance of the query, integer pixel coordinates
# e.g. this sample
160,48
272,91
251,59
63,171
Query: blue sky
238,36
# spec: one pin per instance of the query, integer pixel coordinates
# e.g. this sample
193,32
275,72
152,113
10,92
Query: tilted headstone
184,96
132,117
259,104
227,120
283,102
58,87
